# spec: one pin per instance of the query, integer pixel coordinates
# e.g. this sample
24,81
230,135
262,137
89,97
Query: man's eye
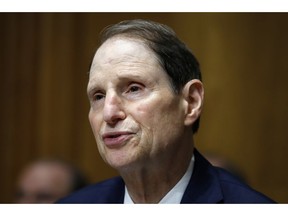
97,97
134,88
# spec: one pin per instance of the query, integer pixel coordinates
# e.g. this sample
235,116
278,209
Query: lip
116,139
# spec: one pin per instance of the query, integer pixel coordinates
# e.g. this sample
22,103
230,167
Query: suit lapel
204,186
113,192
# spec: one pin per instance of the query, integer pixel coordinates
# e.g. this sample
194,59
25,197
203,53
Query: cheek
160,120
146,114
95,125
158,111
153,118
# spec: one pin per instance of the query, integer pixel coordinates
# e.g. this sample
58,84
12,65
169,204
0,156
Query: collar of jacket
204,185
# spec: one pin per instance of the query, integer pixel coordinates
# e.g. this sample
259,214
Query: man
146,98
46,181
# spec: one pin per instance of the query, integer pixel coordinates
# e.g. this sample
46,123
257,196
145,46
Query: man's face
135,116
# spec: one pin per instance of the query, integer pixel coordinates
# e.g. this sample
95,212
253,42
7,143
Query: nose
113,110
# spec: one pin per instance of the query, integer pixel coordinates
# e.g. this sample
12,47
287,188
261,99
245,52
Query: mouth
116,139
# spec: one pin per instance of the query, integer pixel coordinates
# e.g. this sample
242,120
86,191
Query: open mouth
114,136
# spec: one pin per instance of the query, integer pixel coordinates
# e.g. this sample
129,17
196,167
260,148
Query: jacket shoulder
108,191
210,184
236,191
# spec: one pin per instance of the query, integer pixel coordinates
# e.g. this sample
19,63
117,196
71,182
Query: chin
122,164
116,161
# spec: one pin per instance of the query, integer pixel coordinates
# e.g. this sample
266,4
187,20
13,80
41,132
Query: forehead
123,50
120,60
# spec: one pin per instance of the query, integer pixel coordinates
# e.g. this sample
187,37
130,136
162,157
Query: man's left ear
193,93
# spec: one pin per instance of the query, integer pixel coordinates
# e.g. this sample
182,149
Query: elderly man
146,98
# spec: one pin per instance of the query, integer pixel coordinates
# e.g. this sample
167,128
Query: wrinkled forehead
121,49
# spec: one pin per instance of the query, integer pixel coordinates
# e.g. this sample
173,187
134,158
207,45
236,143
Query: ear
193,93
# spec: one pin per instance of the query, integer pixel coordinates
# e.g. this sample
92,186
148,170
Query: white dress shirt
175,195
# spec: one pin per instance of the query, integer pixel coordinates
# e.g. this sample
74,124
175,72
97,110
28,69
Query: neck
150,182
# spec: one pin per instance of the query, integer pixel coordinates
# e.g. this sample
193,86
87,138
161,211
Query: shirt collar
175,195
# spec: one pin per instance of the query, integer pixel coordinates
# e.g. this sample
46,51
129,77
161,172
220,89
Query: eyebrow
124,76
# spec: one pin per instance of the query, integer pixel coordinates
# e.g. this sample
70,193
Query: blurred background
45,57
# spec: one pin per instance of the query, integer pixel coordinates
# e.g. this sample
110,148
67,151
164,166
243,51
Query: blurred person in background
47,180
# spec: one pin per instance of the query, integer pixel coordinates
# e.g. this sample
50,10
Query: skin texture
142,128
43,183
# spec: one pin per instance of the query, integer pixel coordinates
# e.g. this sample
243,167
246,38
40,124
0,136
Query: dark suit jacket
208,184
